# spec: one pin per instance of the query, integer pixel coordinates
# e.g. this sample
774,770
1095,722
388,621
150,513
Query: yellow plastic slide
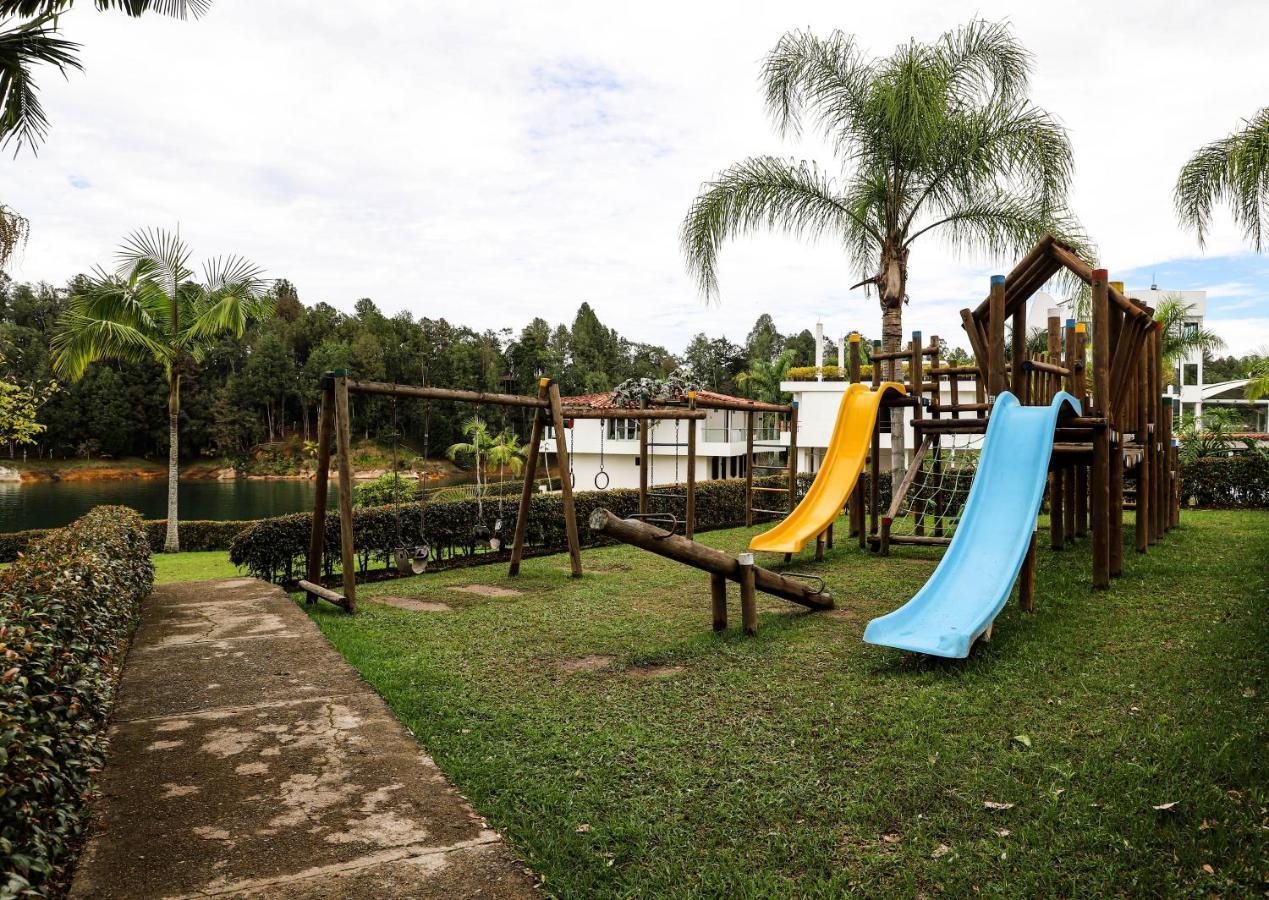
844,460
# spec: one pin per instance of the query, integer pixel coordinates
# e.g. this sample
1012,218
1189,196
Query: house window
1189,373
623,429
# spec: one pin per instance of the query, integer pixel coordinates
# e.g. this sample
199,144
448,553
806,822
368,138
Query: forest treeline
264,388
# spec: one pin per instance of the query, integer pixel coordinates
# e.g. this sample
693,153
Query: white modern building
610,447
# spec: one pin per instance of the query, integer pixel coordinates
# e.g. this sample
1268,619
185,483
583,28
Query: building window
623,429
1189,373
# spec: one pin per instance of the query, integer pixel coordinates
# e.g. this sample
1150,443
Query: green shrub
1240,481
67,610
196,534
277,549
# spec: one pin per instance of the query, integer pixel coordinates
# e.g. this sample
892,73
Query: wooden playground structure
1124,433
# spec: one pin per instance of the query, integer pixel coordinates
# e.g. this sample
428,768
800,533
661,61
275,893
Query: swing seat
414,562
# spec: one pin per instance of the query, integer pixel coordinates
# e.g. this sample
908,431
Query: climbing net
936,497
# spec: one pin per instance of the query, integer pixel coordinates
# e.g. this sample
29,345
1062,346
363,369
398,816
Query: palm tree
151,309
1258,380
935,139
35,42
1234,171
506,452
764,376
1180,339
478,442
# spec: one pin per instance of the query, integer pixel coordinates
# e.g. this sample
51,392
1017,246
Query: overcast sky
493,162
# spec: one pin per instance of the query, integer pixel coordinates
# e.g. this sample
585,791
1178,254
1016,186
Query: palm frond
1234,171
827,76
157,254
22,118
84,339
984,59
181,9
761,192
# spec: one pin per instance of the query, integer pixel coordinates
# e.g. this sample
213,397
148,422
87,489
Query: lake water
52,504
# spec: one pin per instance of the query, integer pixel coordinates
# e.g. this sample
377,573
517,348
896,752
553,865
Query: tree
1181,338
37,42
1233,171
19,406
936,138
150,309
764,377
764,340
1258,380
478,443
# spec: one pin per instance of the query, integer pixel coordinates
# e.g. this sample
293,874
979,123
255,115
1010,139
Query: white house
611,446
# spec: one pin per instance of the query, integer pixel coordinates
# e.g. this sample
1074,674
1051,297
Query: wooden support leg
1116,508
1145,486
1081,501
530,472
343,442
1100,489
829,537
566,484
718,600
1057,518
317,534
1068,503
1026,578
819,547
748,596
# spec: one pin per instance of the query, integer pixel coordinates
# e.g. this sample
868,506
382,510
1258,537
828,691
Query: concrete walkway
248,759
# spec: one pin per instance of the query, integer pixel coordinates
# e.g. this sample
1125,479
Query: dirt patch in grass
840,614
644,672
487,590
595,662
412,604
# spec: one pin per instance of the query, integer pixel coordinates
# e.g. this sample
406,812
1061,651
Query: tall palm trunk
892,287
172,542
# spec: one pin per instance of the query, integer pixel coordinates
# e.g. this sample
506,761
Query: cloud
79,182
490,164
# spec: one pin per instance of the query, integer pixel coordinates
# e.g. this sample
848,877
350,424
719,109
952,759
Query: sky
493,162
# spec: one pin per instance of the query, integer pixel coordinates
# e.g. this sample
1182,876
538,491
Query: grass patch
805,762
193,566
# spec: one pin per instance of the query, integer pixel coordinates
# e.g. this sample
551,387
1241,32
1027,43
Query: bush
1229,482
196,535
66,613
277,549
830,373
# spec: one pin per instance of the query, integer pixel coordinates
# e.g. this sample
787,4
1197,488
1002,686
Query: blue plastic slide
973,580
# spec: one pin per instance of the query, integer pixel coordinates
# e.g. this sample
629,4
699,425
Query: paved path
248,759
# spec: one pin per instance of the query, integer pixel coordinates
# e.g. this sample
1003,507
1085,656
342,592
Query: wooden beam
996,384
433,393
314,589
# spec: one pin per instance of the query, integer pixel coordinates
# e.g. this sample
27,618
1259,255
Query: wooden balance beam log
721,567
316,590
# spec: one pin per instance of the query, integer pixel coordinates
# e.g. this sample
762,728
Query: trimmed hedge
1229,482
67,610
277,549
196,534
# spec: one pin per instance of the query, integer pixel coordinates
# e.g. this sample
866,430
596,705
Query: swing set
413,557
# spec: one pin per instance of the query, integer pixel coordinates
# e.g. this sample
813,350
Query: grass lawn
1109,743
198,566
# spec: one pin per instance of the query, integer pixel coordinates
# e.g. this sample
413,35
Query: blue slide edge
973,580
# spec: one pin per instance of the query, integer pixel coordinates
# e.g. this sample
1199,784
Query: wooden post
996,337
874,483
1156,404
1026,578
748,598
1019,350
566,485
793,455
917,377
718,600
1116,505
690,515
1057,518
643,460
1100,486
1081,392
1141,530
317,533
819,547
749,468
857,495
343,446
531,469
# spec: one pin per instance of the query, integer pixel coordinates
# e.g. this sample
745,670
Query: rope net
935,499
